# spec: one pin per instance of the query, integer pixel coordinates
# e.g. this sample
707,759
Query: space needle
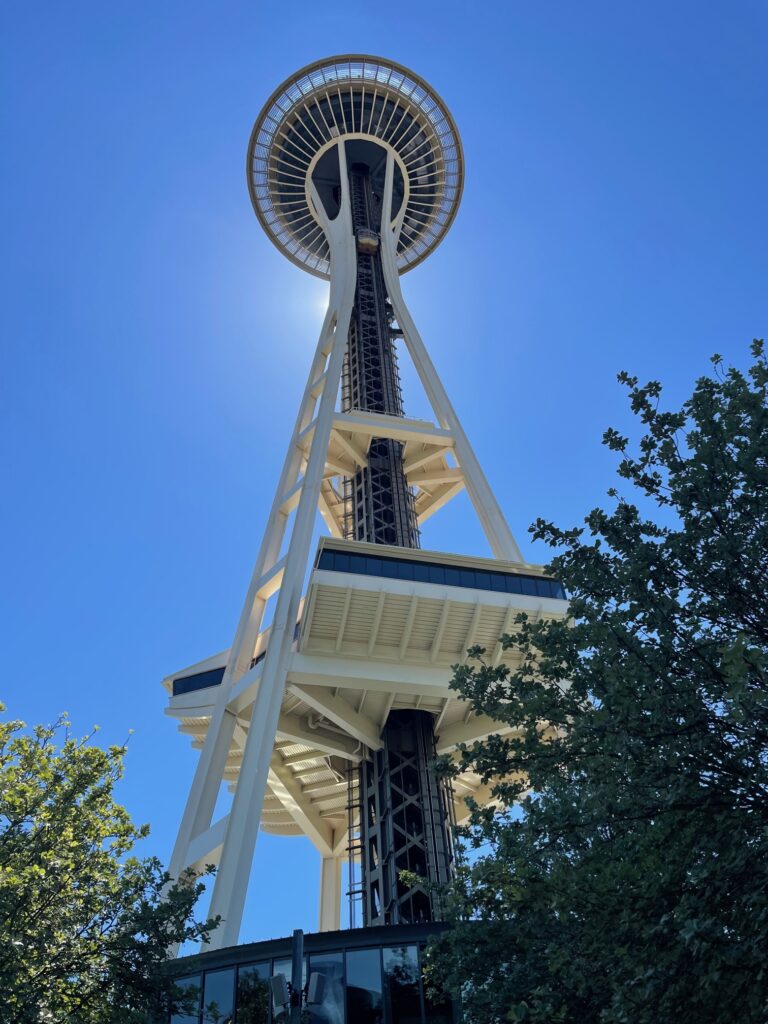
324,715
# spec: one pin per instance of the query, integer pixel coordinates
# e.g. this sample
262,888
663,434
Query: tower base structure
370,976
324,716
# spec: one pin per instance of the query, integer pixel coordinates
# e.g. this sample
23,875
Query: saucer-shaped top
356,98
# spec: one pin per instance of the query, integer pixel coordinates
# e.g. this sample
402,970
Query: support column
230,887
330,894
495,526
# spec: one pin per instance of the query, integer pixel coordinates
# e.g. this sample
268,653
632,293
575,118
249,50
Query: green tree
85,926
630,882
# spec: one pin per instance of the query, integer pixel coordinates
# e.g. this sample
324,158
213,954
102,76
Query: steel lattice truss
379,505
404,815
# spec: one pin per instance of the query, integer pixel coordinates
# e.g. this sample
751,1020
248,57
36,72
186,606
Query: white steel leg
488,511
235,835
330,894
242,828
210,768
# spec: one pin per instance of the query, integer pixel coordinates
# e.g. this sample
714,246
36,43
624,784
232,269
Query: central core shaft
378,502
403,819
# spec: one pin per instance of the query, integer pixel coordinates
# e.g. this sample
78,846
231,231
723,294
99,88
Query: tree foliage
630,883
85,926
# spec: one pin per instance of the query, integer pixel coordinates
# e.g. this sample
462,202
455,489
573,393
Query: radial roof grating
354,96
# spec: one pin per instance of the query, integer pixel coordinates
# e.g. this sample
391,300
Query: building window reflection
364,988
187,1005
403,984
219,997
330,1008
253,993
369,985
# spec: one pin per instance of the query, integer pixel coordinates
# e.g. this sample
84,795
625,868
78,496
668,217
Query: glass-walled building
370,976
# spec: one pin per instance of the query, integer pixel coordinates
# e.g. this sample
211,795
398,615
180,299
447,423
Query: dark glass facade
198,681
252,999
370,976
440,573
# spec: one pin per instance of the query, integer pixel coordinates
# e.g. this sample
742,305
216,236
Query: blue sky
155,343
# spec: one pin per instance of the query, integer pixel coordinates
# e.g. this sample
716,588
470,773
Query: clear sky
155,343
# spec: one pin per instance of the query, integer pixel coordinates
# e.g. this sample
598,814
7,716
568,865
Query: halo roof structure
355,97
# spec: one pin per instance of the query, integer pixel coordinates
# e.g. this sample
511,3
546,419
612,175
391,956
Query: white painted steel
237,854
300,703
420,132
330,894
487,509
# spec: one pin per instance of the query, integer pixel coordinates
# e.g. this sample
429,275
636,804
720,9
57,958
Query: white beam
270,582
482,795
340,713
319,787
376,622
398,428
354,451
288,792
442,499
327,511
408,628
508,620
244,691
206,848
436,477
418,455
469,639
361,674
330,894
291,727
478,728
292,759
343,620
440,631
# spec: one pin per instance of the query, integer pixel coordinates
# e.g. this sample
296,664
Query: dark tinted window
219,997
330,1009
198,681
401,972
406,570
452,576
187,1003
364,991
422,572
253,994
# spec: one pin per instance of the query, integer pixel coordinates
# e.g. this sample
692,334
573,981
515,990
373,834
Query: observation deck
359,99
380,629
